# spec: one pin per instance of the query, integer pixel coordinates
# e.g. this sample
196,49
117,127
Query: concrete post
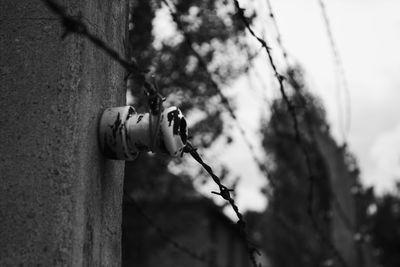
60,199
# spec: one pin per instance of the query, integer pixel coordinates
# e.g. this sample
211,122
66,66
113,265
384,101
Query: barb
75,25
340,75
166,237
225,193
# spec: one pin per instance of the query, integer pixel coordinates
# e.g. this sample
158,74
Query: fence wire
292,111
335,200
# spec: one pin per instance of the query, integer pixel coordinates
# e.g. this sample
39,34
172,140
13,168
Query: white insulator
124,133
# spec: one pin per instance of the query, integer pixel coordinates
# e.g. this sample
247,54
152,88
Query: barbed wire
290,106
183,249
226,104
75,25
225,101
281,78
335,201
341,212
278,76
224,191
285,56
337,204
292,112
340,74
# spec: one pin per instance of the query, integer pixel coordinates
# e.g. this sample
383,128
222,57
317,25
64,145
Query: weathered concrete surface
60,199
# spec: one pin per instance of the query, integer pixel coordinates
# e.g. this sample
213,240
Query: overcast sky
367,35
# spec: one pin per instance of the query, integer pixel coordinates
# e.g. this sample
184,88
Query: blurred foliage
212,33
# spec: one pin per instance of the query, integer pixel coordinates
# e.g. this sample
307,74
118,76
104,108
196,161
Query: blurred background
315,164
